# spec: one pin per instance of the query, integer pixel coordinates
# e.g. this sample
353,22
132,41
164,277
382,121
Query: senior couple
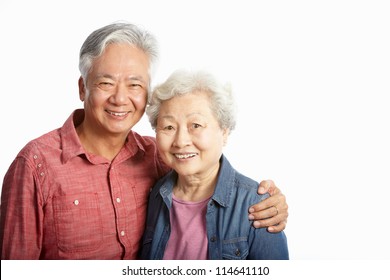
84,191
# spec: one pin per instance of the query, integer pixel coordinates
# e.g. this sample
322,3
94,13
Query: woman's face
189,137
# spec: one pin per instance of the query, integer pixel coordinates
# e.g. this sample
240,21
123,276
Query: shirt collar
166,189
223,189
225,183
70,142
71,145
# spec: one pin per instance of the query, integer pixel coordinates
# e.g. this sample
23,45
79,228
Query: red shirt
59,202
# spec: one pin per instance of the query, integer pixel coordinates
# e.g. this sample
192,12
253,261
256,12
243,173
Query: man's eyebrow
105,76
130,78
136,77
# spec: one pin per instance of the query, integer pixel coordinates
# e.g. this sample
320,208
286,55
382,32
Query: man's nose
120,95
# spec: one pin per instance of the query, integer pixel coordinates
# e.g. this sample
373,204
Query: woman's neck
196,187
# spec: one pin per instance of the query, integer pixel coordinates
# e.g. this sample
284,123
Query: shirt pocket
235,249
78,222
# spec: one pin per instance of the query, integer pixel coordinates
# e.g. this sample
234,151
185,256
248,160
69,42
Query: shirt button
118,200
122,233
42,174
76,202
238,253
213,239
39,165
35,156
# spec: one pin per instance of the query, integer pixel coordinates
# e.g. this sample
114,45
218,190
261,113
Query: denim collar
225,183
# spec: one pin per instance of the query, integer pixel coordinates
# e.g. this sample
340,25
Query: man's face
116,90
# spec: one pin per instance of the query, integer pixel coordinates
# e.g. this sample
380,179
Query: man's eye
105,85
196,125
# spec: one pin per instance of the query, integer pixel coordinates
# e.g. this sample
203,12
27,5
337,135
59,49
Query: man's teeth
117,114
183,156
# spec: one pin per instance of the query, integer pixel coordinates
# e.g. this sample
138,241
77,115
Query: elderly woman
200,209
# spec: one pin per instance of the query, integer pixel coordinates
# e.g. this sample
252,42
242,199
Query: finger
277,228
267,203
264,214
271,222
266,186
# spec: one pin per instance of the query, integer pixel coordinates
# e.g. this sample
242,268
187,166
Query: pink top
188,239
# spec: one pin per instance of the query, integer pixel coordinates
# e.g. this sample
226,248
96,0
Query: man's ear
81,88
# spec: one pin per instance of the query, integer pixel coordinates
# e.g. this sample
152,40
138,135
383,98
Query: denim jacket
229,232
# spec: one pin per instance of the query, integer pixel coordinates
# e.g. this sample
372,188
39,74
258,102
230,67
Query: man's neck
107,146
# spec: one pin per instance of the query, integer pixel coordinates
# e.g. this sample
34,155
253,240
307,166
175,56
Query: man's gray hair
120,32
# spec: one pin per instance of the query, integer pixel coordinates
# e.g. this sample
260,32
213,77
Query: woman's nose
182,138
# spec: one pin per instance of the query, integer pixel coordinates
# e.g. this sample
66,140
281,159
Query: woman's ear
225,134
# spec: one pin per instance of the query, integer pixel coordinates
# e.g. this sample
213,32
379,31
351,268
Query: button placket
117,199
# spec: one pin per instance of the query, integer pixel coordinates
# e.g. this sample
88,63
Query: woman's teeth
184,156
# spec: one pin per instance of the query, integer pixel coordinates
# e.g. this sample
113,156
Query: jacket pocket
235,249
78,222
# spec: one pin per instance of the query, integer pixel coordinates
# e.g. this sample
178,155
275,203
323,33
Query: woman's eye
196,125
169,127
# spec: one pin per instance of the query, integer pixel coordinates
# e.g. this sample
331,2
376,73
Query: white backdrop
311,80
